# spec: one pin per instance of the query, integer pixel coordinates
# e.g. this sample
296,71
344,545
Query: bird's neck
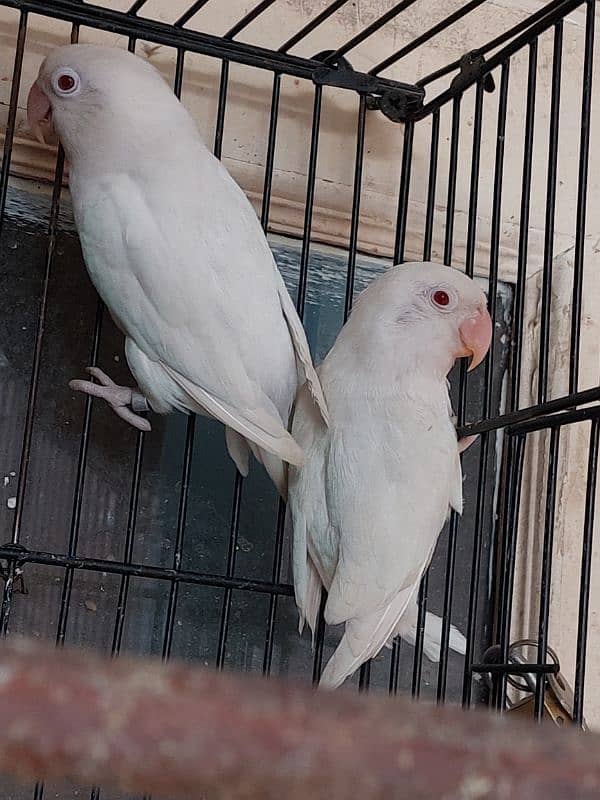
398,363
350,380
104,144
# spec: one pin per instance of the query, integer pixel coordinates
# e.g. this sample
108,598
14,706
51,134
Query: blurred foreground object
189,733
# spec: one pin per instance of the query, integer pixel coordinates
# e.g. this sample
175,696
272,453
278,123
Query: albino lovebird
177,253
377,484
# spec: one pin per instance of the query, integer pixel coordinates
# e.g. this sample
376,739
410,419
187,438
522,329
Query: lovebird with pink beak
377,484
177,253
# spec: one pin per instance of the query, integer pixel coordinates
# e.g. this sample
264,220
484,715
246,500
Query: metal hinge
396,101
470,70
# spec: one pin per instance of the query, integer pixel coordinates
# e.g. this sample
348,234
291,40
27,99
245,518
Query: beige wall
244,153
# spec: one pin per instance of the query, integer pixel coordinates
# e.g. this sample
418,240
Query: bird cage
365,134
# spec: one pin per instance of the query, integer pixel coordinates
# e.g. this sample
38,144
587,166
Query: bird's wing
255,423
388,487
314,544
251,231
301,348
175,296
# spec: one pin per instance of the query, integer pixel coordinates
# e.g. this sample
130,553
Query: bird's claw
119,398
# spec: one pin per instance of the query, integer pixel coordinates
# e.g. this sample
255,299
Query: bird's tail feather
256,425
238,449
275,467
363,638
432,636
312,600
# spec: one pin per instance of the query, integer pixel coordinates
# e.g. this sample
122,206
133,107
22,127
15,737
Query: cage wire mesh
152,543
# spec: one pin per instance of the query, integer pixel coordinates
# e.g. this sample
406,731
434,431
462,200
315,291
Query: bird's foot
124,401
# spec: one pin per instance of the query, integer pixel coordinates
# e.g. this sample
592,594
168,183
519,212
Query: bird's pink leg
123,400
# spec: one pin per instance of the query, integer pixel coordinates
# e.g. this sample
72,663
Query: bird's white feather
238,449
302,350
363,638
377,483
432,634
177,252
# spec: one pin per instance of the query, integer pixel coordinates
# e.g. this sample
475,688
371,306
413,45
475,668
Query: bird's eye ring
66,82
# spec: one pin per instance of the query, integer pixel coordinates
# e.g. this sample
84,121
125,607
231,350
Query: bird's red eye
66,82
441,298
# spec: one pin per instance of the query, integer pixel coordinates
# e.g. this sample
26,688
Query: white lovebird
177,253
377,484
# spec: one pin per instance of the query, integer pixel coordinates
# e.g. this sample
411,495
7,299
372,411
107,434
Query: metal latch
558,695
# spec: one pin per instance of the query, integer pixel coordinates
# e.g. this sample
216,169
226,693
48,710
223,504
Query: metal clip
14,575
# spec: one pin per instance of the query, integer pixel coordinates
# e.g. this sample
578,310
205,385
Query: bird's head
432,313
90,94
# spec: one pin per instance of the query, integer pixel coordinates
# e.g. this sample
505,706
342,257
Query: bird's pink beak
39,113
476,336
